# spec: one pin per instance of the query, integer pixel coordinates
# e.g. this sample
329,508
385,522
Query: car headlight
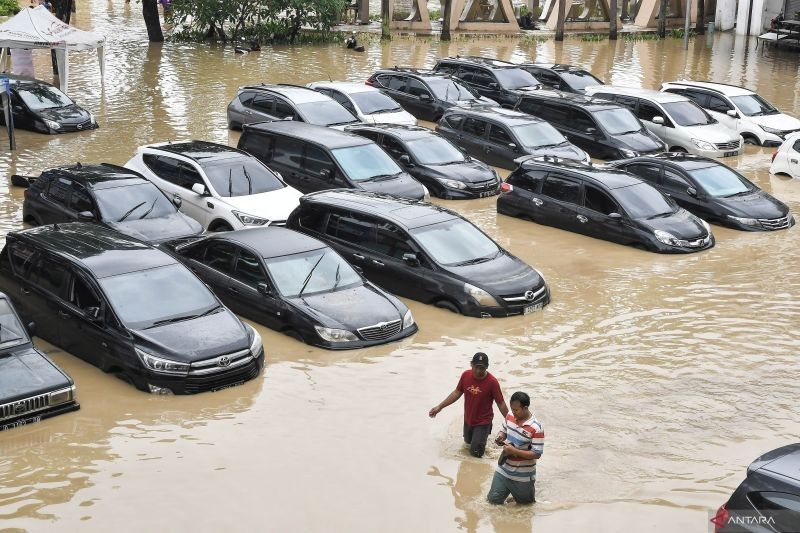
745,221
62,395
666,237
250,220
162,366
773,131
256,342
408,320
335,335
480,296
453,184
497,176
52,125
426,195
703,145
627,153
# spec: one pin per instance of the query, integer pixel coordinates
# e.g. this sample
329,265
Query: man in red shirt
479,388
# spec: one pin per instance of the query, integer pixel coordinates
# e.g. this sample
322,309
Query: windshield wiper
660,215
249,181
335,283
627,132
474,261
230,182
308,278
151,208
740,193
382,177
392,110
131,210
171,320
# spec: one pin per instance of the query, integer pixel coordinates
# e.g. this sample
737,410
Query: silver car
367,103
679,122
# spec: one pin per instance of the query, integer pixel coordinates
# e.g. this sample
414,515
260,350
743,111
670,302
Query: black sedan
38,106
297,285
433,161
32,387
116,197
711,190
603,203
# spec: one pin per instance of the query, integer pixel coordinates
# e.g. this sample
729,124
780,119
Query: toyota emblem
529,295
224,361
384,326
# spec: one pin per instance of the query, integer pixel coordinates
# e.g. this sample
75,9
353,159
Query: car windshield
753,105
455,242
147,298
719,180
241,176
579,79
617,121
538,135
43,97
515,78
133,202
325,113
687,113
365,162
11,331
450,91
434,150
370,102
642,201
311,272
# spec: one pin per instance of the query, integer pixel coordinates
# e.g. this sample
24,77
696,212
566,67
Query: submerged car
786,160
711,190
423,252
113,196
127,308
433,160
565,78
38,106
367,103
297,285
601,202
501,81
32,387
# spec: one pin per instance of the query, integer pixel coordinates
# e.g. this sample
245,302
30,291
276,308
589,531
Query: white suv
787,159
679,122
758,121
367,103
221,187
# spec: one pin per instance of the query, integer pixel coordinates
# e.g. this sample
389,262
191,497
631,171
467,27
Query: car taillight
720,519
773,156
506,187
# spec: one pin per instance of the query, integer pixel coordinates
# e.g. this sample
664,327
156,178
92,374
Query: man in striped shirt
523,437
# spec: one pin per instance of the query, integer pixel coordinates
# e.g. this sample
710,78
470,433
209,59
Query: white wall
763,12
725,15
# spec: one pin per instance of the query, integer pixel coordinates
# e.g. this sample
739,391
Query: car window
553,113
263,103
80,200
581,121
287,151
497,134
365,161
50,276
12,333
455,121
561,189
317,160
646,171
395,83
283,109
687,113
417,88
43,97
59,190
529,180
166,168
82,295
248,269
188,176
475,127
547,77
313,272
391,241
532,107
715,103
455,242
597,200
257,144
373,102
779,509
699,97
647,111
219,256
344,101
352,228
796,146
246,97
627,101
482,78
447,68
393,146
672,178
312,217
21,256
371,135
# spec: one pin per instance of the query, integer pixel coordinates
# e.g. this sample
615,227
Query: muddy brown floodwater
657,378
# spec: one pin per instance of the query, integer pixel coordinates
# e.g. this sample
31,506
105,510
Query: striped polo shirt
526,436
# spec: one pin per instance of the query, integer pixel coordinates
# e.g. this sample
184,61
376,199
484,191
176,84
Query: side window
59,190
342,99
188,176
50,276
648,172
393,146
483,78
715,103
627,101
195,252
82,295
548,78
164,167
312,218
395,83
417,88
316,160
529,180
446,68
796,146
21,256
597,200
371,135
647,111
581,121
287,151
555,114
455,121
532,107
219,256
561,189
497,134
391,241
80,200
248,269
246,97
475,127
700,98
353,229
675,180
263,103
257,144
608,96
283,109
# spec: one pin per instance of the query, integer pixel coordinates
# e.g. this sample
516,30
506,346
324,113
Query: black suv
32,387
501,81
711,190
768,500
604,129
562,77
422,251
127,308
601,202
314,158
38,106
499,136
113,196
424,93
433,160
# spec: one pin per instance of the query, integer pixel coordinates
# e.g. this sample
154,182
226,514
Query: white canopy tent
38,28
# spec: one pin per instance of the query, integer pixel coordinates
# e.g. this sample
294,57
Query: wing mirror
177,201
494,85
411,260
425,97
326,174
513,146
94,314
658,120
592,131
264,289
31,329
615,217
691,191
86,216
732,113
200,189
405,159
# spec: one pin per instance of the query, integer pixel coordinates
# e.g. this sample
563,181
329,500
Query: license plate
486,194
730,154
531,309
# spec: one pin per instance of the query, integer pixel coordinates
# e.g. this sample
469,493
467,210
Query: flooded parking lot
657,378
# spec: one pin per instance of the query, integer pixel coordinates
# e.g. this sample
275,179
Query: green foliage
593,37
641,36
8,7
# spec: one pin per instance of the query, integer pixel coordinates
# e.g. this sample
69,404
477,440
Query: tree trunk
447,6
385,34
562,6
612,20
662,19
701,17
625,15
151,21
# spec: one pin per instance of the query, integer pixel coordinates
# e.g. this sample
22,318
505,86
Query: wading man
480,389
522,438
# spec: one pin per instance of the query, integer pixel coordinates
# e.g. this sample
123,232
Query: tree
385,34
447,6
152,21
612,20
662,19
701,17
562,5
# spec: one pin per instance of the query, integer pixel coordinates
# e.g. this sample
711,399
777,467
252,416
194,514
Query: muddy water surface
657,378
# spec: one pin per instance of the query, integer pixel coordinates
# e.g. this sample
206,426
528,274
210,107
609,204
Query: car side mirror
264,289
592,131
31,329
326,174
177,201
615,217
200,189
494,85
405,159
513,146
86,216
732,113
411,260
691,191
93,314
425,97
658,120
17,109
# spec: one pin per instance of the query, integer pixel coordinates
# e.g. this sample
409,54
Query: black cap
480,359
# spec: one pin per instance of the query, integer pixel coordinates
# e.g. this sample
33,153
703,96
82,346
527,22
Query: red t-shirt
478,397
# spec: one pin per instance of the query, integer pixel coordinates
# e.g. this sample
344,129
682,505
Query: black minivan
315,158
127,308
604,129
423,252
498,80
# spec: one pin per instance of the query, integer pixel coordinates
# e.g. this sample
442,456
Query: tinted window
528,180
674,179
21,257
262,103
417,88
59,190
312,218
164,167
796,146
353,229
246,97
82,295
781,509
80,200
248,269
287,151
475,127
580,79
547,77
715,103
49,275
479,77
580,120
395,83
391,241
498,135
647,111
455,121
317,160
553,113
283,109
371,135
627,101
532,107
188,176
597,200
393,146
561,189
645,171
700,98
344,101
219,256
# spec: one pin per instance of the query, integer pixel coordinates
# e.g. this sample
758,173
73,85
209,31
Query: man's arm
501,405
451,398
511,451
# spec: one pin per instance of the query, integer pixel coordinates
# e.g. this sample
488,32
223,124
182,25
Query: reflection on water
658,378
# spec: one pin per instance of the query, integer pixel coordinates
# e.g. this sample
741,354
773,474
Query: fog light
159,390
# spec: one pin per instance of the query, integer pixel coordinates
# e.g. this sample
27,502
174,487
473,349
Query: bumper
508,310
193,384
662,248
402,334
466,194
765,225
28,419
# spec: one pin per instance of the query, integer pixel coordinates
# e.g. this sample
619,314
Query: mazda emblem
224,361
529,295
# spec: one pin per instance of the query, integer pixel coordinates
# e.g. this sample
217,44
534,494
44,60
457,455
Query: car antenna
56,227
78,165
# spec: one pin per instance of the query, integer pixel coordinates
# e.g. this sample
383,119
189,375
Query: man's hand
509,450
435,411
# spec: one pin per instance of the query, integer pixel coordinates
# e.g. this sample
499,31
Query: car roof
327,137
724,88
611,177
97,175
501,114
783,461
347,87
408,214
650,94
419,73
483,61
582,100
18,80
102,251
401,131
199,151
296,93
557,67
271,241
685,161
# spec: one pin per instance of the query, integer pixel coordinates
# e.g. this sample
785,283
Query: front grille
220,363
526,298
21,407
381,331
227,378
733,145
775,223
482,186
697,243
77,127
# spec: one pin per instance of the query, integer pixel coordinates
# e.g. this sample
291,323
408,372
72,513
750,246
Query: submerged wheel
749,139
678,149
447,304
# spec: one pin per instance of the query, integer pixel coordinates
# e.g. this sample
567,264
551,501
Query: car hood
504,275
403,186
713,133
682,225
25,372
472,171
71,114
567,151
159,229
349,309
640,141
273,205
196,339
777,122
758,204
393,117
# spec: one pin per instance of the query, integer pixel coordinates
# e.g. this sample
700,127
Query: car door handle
379,263
537,201
793,160
359,257
24,290
63,314
582,219
234,290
